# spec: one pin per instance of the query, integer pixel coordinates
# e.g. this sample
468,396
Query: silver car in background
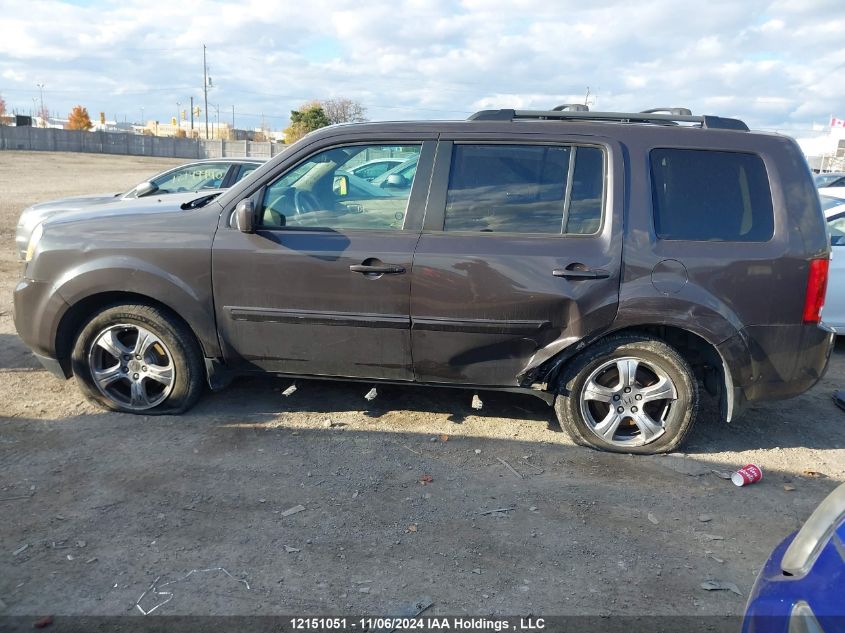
833,205
201,175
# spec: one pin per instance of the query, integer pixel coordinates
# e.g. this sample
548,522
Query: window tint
704,195
522,189
322,192
192,178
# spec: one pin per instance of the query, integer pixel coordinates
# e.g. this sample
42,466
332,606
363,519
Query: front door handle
578,271
379,269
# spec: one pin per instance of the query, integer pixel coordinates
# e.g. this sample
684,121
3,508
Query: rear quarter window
707,195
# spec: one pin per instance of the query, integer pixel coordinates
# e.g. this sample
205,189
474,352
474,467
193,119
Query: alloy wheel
626,401
131,366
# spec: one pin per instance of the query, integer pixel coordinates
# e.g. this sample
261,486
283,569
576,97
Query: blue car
801,589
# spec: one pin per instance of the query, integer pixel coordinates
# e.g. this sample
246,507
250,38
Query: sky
778,64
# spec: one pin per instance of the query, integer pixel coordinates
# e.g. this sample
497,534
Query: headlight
33,242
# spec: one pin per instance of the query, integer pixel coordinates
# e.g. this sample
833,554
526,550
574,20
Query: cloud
770,63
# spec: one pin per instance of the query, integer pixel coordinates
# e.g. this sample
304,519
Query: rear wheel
628,393
138,359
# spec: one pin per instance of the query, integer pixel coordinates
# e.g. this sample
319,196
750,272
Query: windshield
823,180
829,202
836,224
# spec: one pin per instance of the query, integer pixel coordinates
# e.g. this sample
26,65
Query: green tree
78,119
308,118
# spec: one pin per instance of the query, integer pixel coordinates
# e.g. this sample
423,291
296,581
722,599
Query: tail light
816,287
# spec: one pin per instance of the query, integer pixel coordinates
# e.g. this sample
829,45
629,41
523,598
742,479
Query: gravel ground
96,506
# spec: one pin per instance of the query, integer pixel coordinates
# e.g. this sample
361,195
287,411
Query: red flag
834,122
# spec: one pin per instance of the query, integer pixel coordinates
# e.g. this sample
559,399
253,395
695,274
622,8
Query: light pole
206,84
144,123
178,117
41,114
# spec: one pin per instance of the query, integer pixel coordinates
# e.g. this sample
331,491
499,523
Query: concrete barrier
53,140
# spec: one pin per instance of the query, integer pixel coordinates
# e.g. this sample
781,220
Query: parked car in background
801,588
375,168
400,177
833,312
611,264
831,197
213,173
830,179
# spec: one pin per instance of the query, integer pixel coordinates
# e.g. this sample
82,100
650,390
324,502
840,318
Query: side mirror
396,181
340,186
245,216
145,189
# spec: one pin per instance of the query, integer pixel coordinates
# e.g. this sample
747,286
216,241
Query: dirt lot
97,506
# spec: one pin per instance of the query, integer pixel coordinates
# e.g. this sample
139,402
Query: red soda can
747,475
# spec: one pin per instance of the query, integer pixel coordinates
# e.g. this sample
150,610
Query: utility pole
233,118
192,117
205,88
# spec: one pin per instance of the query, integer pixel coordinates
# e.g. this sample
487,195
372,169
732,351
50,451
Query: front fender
193,302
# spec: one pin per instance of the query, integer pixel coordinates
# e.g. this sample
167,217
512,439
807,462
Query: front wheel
138,359
628,393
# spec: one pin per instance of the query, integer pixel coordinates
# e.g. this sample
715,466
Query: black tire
658,361
178,347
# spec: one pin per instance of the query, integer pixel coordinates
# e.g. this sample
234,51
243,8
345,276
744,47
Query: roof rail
675,111
676,115
572,107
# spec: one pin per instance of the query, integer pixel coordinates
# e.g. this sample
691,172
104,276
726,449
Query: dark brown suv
608,263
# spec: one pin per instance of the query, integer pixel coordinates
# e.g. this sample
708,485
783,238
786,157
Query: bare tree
342,110
2,107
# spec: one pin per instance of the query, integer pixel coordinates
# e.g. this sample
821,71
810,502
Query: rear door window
705,195
551,189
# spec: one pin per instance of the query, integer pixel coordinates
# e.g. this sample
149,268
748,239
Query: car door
322,285
520,256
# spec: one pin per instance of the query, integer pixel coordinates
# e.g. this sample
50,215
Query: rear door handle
380,269
571,272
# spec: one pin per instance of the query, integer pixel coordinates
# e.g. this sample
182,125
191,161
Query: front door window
324,193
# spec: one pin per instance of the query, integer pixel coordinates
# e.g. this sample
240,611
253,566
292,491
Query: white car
197,176
833,313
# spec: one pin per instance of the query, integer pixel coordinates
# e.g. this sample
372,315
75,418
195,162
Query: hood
169,203
77,202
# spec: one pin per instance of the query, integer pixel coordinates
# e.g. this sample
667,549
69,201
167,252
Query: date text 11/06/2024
419,624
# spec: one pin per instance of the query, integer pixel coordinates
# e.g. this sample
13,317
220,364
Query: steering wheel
305,201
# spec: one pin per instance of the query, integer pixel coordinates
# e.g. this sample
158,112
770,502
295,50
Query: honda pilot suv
612,264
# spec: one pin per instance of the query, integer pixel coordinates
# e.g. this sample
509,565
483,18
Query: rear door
520,255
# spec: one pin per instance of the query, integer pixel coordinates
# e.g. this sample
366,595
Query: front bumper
38,311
